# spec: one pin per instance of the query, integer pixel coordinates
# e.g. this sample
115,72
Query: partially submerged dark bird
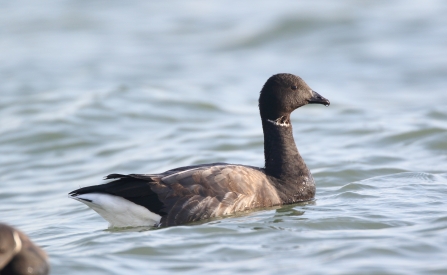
19,255
192,193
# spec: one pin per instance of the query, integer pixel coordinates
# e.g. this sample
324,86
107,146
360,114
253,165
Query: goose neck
282,159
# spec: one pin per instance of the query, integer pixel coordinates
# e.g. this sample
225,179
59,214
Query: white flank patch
118,211
311,93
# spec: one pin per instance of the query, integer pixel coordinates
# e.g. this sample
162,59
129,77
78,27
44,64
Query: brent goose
18,255
192,193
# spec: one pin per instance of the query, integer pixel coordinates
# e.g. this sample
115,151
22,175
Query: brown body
197,193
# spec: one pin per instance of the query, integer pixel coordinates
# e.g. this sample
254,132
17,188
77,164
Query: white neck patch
277,123
17,241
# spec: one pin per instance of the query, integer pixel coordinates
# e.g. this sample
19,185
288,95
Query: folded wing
193,193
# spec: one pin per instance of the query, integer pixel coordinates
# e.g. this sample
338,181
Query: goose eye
294,87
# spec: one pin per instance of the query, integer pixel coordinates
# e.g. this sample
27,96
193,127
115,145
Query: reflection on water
93,88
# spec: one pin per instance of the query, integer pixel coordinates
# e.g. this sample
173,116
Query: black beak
318,99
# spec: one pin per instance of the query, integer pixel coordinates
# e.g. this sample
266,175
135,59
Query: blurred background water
90,88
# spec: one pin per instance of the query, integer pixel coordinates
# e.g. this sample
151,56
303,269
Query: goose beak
318,99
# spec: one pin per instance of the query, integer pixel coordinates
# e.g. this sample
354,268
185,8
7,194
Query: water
90,88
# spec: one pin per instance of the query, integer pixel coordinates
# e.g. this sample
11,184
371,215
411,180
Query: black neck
282,160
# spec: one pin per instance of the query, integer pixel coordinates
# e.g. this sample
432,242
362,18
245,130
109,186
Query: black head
283,93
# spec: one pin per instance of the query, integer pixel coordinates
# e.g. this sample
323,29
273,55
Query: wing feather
192,193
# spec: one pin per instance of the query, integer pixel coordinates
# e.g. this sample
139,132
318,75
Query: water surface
91,88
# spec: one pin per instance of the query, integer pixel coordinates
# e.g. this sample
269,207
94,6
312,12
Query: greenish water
90,88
